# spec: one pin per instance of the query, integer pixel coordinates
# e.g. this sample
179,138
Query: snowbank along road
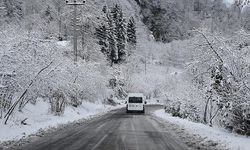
116,130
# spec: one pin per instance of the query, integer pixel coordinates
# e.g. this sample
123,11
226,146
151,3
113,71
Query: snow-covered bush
223,71
45,68
57,103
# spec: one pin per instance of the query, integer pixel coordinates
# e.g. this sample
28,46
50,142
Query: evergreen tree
131,33
112,44
121,37
48,14
114,12
2,11
102,36
13,9
120,31
112,37
104,9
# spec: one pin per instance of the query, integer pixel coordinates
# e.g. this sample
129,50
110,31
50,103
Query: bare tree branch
211,46
10,111
54,68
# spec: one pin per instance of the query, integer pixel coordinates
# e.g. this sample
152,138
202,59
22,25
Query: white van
135,102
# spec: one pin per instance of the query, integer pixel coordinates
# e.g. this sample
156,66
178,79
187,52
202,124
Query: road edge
11,144
193,141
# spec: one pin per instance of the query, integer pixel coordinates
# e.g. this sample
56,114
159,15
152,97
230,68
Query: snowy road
114,131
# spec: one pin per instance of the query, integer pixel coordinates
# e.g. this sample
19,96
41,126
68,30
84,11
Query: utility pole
75,3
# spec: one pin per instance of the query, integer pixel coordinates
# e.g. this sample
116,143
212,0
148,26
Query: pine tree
2,11
131,33
121,37
112,44
13,9
106,38
120,32
114,12
104,9
102,36
48,14
112,37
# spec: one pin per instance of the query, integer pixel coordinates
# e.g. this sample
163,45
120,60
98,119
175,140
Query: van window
135,100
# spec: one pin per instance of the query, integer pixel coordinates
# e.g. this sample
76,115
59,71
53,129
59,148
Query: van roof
135,94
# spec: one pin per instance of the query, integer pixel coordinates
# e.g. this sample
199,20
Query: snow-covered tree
112,43
120,31
114,32
131,34
12,10
102,36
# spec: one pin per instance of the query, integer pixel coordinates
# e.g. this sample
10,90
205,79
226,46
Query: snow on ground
155,101
232,141
39,118
63,43
229,2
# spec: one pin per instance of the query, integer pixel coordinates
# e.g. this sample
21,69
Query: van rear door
135,103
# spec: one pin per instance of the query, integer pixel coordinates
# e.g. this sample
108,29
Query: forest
193,55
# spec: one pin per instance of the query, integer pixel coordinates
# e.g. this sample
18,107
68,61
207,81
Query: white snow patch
228,2
63,43
39,118
155,101
232,141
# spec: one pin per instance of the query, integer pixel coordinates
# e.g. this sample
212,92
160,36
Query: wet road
116,130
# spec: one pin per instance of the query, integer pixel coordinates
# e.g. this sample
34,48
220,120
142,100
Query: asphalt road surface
116,130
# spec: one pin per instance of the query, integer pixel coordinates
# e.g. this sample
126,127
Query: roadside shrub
183,110
57,103
173,109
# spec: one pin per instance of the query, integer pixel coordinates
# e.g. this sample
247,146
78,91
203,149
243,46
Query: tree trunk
211,120
82,42
1,113
60,23
211,109
205,113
